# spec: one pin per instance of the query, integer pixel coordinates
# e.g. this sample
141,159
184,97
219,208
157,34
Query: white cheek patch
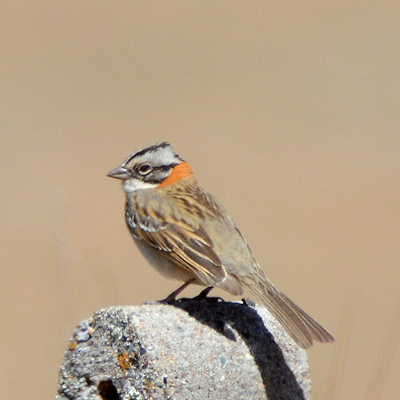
130,185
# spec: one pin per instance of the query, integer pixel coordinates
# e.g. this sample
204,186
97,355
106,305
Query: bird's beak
119,173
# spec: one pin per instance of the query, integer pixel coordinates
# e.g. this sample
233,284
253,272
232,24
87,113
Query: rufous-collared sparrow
186,234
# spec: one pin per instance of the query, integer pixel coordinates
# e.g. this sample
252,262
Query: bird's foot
172,297
204,293
203,296
248,302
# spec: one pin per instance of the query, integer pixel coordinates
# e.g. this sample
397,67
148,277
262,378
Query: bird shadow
226,318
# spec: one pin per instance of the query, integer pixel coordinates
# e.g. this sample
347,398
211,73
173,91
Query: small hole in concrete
107,390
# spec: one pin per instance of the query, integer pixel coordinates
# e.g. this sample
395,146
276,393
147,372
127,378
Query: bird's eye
144,169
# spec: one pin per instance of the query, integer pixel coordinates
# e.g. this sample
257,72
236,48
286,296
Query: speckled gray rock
193,349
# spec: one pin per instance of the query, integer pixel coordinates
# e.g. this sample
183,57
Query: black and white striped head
151,167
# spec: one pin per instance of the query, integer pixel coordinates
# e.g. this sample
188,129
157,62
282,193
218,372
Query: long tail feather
300,326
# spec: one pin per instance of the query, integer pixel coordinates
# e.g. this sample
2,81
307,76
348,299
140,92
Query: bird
186,234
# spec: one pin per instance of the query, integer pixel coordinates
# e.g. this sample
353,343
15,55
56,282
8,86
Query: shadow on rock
232,319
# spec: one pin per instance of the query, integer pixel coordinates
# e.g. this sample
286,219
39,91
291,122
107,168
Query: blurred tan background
289,114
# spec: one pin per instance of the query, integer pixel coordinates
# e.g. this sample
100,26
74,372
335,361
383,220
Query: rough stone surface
192,349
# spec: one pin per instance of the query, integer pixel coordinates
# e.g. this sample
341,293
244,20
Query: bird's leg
203,294
171,298
248,302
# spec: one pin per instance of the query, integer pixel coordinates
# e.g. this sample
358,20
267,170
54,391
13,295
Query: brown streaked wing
188,246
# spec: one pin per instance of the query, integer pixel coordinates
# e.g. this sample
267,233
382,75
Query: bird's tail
301,327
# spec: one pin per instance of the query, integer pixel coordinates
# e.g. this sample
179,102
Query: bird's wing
179,234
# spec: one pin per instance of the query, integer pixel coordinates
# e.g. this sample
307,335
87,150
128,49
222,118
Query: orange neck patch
179,172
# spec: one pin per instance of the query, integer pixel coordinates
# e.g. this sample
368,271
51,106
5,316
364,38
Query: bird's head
151,167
